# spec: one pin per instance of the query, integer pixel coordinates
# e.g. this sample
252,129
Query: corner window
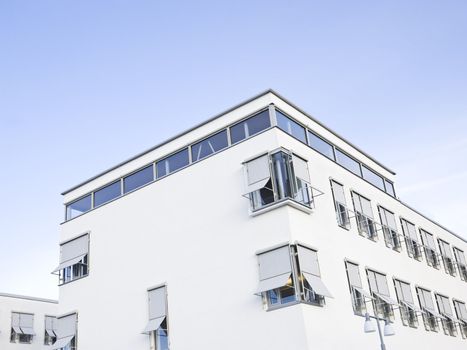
429,247
74,257
318,144
172,163
446,255
209,146
250,126
411,240
78,207
50,330
406,304
274,177
373,178
347,162
389,226
290,274
389,188
22,328
382,302
461,264
461,313
340,205
430,316
156,327
67,332
290,126
449,322
358,293
364,216
138,179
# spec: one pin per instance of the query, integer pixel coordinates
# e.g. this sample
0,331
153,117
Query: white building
258,229
27,322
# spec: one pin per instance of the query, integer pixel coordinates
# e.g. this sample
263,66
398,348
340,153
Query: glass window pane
373,178
290,127
390,188
318,144
210,145
107,194
348,163
172,163
79,207
138,179
250,127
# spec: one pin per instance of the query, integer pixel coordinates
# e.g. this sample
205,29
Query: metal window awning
68,263
450,317
153,325
317,285
62,342
387,299
434,313
17,329
28,330
363,292
411,306
50,332
272,283
256,186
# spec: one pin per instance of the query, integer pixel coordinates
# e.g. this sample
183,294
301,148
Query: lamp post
369,327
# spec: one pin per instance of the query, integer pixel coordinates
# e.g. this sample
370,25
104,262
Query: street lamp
369,327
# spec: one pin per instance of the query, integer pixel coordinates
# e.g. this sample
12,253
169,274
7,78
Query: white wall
38,307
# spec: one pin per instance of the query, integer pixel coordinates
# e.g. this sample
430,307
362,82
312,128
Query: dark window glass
162,337
290,127
138,179
373,178
107,194
172,163
249,127
389,188
283,177
79,207
318,144
348,163
210,145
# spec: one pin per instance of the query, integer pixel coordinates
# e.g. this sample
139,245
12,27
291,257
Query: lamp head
388,329
369,326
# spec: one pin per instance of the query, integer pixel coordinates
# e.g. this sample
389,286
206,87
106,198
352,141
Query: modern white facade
27,322
264,233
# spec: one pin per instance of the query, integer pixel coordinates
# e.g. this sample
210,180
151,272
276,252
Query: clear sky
86,84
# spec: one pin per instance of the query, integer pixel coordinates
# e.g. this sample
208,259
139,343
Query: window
290,127
318,144
342,213
461,313
74,256
446,254
209,146
461,264
107,193
78,207
157,327
250,126
172,163
406,304
348,162
50,329
382,301
364,216
389,188
289,274
430,316
22,328
373,178
138,179
67,332
448,321
429,246
277,176
356,289
389,226
411,240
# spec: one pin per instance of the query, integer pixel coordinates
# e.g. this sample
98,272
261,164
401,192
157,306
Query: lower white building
259,229
27,322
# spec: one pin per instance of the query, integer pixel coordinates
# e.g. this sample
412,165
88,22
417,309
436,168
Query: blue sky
87,84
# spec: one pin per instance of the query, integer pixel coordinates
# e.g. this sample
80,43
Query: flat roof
216,117
25,297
